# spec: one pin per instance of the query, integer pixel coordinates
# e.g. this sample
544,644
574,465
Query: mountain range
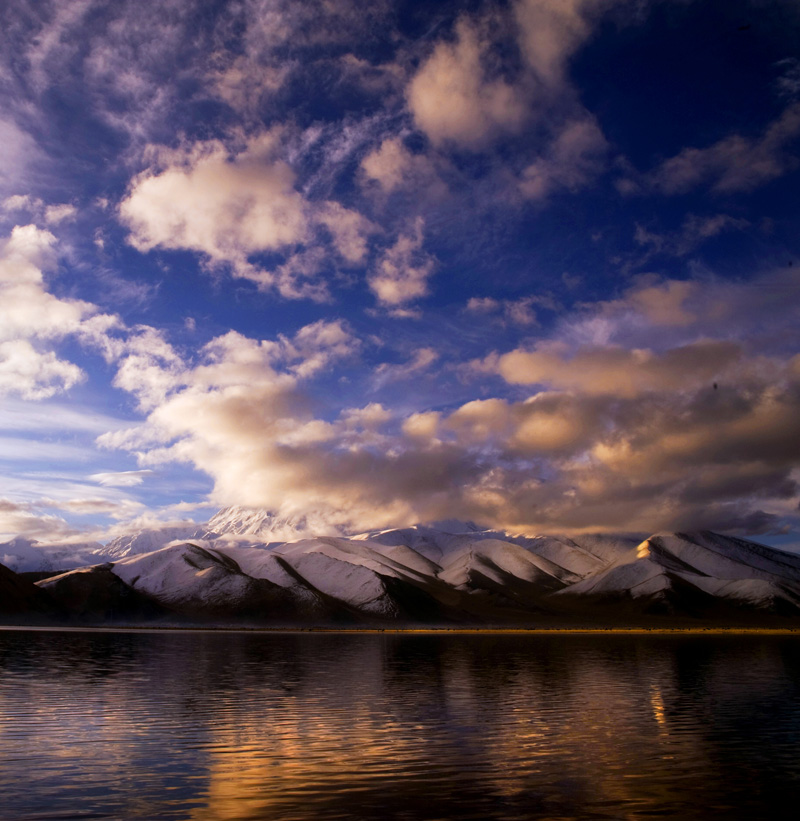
232,571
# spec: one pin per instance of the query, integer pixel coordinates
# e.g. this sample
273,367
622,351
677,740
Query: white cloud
31,319
124,478
225,207
393,166
33,374
614,435
230,207
454,98
403,271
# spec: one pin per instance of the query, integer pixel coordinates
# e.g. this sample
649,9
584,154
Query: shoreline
426,631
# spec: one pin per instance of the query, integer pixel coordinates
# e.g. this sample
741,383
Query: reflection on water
295,726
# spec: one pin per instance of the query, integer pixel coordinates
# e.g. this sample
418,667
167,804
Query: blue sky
530,263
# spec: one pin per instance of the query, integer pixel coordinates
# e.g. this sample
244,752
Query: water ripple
208,726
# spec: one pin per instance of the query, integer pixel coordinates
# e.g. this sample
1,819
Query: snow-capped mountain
421,575
251,565
266,526
148,540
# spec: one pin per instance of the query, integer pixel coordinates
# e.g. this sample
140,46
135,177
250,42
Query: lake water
298,726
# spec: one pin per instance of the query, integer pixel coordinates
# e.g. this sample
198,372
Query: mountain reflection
251,726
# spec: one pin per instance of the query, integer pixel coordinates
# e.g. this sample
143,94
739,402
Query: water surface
192,725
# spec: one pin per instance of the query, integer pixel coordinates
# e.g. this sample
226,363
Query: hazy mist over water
294,726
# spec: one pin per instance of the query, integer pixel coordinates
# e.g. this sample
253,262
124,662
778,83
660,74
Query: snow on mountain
429,542
23,555
498,560
723,567
581,555
355,572
146,541
419,573
265,525
184,572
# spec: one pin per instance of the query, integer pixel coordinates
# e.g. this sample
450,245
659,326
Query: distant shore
427,631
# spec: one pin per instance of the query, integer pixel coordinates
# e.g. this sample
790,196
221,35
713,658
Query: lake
215,725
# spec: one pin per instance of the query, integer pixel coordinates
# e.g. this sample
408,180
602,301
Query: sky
533,264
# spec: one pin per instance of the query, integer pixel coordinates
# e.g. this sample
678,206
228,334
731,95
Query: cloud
454,97
616,371
570,162
731,165
125,478
54,417
550,31
612,435
22,520
271,42
402,273
33,374
230,207
693,233
788,84
393,166
31,319
36,210
17,150
515,311
421,361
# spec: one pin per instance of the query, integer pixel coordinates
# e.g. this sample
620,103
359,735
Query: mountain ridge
421,575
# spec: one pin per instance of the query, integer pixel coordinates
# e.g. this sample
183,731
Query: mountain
670,570
148,540
21,601
453,574
264,525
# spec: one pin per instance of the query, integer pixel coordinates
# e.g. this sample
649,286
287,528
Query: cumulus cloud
698,434
616,371
454,97
230,207
402,273
391,165
37,210
32,320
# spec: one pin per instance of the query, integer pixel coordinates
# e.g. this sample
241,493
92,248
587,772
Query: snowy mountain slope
265,526
725,557
184,579
501,560
146,541
669,566
582,555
